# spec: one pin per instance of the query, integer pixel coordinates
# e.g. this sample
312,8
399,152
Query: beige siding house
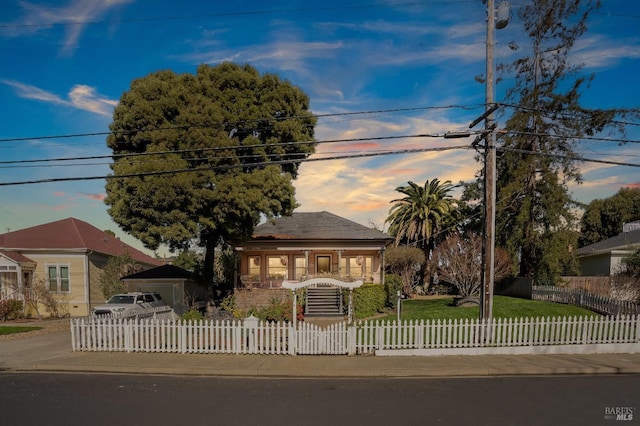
68,255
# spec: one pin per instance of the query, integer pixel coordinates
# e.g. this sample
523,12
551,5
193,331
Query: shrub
10,309
192,315
392,285
278,310
406,262
228,303
368,300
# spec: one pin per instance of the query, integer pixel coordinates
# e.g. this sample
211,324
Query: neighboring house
68,255
173,283
307,245
604,258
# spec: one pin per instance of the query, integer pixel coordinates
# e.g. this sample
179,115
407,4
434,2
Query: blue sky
66,63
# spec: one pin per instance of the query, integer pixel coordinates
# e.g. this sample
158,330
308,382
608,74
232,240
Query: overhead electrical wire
235,166
236,123
229,148
308,160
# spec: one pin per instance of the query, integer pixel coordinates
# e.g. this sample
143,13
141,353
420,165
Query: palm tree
423,213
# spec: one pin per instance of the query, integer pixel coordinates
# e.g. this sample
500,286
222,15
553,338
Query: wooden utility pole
488,245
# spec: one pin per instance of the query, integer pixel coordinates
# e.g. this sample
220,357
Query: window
276,267
323,264
357,266
58,277
254,268
300,268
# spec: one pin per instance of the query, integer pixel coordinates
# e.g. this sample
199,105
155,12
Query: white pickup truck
129,304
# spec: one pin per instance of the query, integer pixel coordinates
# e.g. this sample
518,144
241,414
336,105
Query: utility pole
488,245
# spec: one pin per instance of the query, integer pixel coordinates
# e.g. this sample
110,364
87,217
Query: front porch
269,269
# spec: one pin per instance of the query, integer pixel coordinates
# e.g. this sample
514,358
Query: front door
323,264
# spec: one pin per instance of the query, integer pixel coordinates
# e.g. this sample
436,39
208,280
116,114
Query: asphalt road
102,399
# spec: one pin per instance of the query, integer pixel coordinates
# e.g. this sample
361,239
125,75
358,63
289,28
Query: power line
568,157
308,160
227,148
635,111
588,138
236,123
235,166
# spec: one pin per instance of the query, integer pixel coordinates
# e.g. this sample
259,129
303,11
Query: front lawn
503,307
13,329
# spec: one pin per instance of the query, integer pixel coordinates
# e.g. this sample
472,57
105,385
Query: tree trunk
209,261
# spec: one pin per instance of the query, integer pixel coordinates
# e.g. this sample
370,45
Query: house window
58,277
300,268
254,267
323,264
8,280
357,266
276,267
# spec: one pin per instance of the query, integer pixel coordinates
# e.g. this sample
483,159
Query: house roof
15,256
70,234
315,226
164,271
622,241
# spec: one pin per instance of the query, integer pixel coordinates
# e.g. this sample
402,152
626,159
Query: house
173,283
68,255
307,245
604,257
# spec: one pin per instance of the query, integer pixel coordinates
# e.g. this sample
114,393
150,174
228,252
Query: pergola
295,285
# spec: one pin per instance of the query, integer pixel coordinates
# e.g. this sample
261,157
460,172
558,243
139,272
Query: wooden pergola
295,285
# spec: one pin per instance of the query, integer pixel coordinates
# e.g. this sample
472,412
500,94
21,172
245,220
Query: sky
373,69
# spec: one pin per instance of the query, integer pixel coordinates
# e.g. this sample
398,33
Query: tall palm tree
424,211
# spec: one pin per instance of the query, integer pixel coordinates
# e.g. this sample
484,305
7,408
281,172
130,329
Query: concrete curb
52,353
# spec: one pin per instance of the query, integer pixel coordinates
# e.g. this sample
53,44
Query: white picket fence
255,337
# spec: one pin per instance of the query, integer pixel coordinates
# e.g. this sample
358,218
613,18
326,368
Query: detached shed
173,283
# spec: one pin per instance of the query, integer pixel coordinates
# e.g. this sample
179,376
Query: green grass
13,329
503,307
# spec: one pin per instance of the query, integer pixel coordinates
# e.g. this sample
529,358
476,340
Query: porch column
339,262
382,268
306,263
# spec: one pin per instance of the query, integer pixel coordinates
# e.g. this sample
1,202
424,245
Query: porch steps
323,301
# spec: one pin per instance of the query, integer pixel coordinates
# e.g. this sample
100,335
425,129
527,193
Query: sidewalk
52,352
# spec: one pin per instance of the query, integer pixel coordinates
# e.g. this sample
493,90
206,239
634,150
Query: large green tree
538,157
422,214
204,157
604,218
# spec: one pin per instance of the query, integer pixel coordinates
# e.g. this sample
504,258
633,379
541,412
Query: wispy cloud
92,196
75,16
600,52
80,96
286,55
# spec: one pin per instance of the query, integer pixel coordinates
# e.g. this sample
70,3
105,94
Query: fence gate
314,340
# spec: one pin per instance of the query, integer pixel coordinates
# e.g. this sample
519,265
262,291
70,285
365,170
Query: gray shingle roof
164,271
316,226
622,241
